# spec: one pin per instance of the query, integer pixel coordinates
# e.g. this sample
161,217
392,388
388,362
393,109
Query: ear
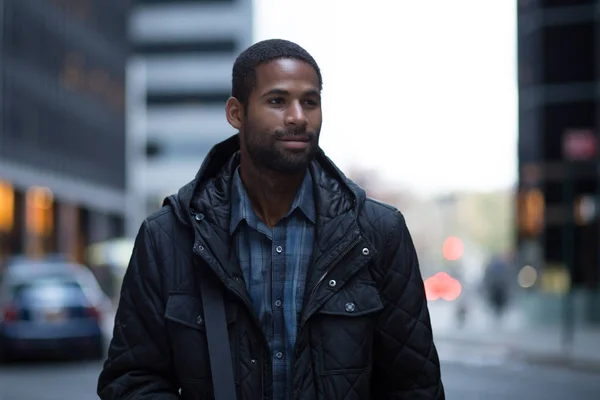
234,111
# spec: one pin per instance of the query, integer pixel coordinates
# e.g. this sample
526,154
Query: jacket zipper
327,271
335,263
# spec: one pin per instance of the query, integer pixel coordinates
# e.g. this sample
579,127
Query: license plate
54,316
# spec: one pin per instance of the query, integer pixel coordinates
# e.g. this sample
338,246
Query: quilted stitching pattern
407,364
382,349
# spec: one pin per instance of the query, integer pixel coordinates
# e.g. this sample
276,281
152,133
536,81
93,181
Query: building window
227,46
178,149
184,1
186,98
568,53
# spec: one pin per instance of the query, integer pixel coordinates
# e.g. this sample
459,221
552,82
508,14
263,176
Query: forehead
286,72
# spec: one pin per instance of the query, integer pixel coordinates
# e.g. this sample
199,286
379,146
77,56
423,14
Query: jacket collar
241,208
337,202
210,191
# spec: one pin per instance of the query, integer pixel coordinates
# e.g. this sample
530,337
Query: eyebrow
282,92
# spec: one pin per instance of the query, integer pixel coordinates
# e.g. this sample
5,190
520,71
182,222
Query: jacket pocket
187,335
186,309
346,326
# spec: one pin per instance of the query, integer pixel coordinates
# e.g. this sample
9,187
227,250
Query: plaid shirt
275,263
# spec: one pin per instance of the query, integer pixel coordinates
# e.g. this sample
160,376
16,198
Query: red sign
442,286
579,145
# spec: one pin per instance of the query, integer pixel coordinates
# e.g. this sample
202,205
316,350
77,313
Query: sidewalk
523,342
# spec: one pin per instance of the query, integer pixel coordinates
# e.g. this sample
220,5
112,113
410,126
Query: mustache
290,133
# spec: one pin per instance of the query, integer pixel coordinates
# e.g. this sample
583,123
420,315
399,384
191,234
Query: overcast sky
423,92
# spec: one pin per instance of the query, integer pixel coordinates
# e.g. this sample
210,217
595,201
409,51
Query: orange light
531,211
7,206
453,248
39,202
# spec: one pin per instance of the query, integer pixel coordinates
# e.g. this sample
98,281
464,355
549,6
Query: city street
49,381
469,374
502,382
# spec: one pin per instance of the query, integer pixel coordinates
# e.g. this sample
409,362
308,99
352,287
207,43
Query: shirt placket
277,300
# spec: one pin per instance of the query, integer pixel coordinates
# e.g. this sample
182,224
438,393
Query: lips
299,138
295,143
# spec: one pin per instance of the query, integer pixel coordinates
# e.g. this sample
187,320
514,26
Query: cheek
315,121
255,133
266,117
260,129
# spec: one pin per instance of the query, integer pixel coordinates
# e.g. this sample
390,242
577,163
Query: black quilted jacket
364,332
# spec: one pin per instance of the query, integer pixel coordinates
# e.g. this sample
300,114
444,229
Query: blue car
50,309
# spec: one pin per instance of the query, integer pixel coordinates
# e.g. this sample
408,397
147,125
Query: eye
311,103
276,101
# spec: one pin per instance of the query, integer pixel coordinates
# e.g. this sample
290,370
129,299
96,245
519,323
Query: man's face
283,117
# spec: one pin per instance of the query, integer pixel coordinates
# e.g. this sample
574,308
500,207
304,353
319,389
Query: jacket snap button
199,319
253,361
350,307
199,217
365,251
332,283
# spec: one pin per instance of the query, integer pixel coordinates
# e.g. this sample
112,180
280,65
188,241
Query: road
469,374
49,381
489,373
469,382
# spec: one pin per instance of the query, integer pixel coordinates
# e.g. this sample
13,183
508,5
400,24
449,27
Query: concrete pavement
514,337
503,382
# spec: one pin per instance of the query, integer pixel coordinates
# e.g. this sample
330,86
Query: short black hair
243,76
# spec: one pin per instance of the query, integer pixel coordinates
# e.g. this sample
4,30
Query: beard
265,151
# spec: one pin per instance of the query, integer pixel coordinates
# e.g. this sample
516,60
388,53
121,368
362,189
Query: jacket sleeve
406,363
139,362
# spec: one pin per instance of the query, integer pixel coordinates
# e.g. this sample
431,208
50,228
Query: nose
295,115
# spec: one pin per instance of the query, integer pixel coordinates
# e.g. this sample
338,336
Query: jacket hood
208,192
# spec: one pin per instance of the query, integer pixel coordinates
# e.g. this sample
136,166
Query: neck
271,194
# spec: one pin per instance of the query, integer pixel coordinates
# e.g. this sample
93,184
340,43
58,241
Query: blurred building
178,83
559,72
62,136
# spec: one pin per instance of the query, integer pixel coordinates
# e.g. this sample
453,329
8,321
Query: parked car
50,308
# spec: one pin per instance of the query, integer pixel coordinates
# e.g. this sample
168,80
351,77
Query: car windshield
49,291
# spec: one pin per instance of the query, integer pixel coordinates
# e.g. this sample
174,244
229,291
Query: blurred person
497,284
461,311
322,293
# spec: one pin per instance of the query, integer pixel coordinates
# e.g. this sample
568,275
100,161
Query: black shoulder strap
219,351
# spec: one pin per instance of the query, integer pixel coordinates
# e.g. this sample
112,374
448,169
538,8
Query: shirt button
277,303
279,249
279,355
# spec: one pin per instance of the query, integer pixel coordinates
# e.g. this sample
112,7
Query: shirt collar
241,209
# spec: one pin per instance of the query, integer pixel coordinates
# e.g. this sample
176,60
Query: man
322,290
